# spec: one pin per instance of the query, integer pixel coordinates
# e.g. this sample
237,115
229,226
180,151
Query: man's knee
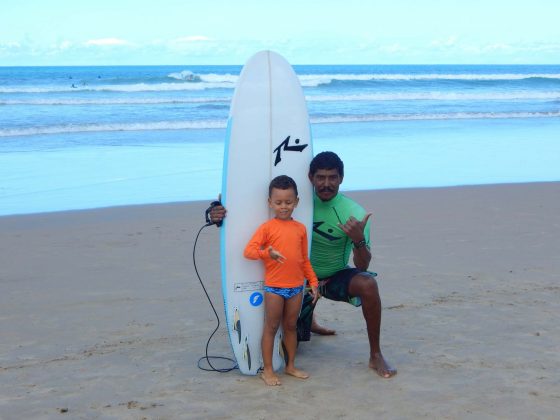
363,285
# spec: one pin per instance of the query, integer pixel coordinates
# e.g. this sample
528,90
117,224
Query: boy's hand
275,255
315,293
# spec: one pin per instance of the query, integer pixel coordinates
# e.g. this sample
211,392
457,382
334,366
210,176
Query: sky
123,32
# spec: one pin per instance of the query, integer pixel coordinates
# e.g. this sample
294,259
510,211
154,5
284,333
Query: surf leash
207,358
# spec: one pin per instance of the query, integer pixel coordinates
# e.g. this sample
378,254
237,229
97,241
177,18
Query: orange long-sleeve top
288,237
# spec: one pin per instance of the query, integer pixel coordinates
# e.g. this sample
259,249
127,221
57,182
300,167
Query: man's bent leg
318,329
365,287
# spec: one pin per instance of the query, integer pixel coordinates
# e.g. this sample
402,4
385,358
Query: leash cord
208,358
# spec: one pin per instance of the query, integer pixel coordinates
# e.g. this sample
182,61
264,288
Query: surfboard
268,134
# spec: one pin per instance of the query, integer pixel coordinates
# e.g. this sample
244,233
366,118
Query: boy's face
283,203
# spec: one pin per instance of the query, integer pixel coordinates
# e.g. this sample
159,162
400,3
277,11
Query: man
340,226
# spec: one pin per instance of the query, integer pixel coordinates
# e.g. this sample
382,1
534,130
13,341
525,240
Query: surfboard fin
247,354
282,349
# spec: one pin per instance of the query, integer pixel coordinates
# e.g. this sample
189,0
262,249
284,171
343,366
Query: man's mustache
326,189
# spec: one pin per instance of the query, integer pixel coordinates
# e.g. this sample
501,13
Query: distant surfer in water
340,228
281,243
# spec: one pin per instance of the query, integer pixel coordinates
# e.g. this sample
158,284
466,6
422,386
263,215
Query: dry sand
102,316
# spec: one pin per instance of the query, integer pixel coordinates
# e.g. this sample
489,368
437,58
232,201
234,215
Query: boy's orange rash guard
289,237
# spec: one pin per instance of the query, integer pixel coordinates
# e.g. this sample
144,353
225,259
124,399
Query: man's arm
362,256
355,229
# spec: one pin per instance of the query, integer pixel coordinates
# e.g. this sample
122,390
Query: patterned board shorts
333,288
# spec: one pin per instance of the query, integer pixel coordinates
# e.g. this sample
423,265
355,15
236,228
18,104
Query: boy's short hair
326,160
282,182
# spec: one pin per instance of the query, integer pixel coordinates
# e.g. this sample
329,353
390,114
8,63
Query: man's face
326,183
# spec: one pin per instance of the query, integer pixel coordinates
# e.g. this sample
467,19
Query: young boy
282,245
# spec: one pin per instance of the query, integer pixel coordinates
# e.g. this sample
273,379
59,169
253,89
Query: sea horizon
75,137
293,65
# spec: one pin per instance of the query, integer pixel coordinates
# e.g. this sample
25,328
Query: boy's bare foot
297,373
317,329
383,369
270,379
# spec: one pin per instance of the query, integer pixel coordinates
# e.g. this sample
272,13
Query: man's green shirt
330,246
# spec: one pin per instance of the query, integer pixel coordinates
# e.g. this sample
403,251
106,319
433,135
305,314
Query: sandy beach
102,316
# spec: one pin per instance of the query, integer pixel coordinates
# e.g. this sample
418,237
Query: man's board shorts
333,288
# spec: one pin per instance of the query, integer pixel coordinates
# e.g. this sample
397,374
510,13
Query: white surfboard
268,134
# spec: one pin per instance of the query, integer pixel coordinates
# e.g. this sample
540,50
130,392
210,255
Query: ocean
88,137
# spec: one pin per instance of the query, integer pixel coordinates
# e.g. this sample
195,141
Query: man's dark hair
326,160
282,182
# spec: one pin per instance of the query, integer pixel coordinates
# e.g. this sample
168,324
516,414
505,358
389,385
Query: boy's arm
254,249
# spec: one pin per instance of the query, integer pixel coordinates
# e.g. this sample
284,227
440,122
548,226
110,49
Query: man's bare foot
383,369
297,373
270,379
317,329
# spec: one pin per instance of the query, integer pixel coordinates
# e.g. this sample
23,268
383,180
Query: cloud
451,41
393,48
540,47
191,38
190,44
498,47
10,45
106,42
64,45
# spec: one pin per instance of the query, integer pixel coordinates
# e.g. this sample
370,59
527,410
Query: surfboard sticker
237,324
268,134
286,147
248,286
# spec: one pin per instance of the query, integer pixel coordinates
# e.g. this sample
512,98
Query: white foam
438,96
323,79
417,96
137,87
185,75
189,76
227,81
433,116
74,128
114,101
220,124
